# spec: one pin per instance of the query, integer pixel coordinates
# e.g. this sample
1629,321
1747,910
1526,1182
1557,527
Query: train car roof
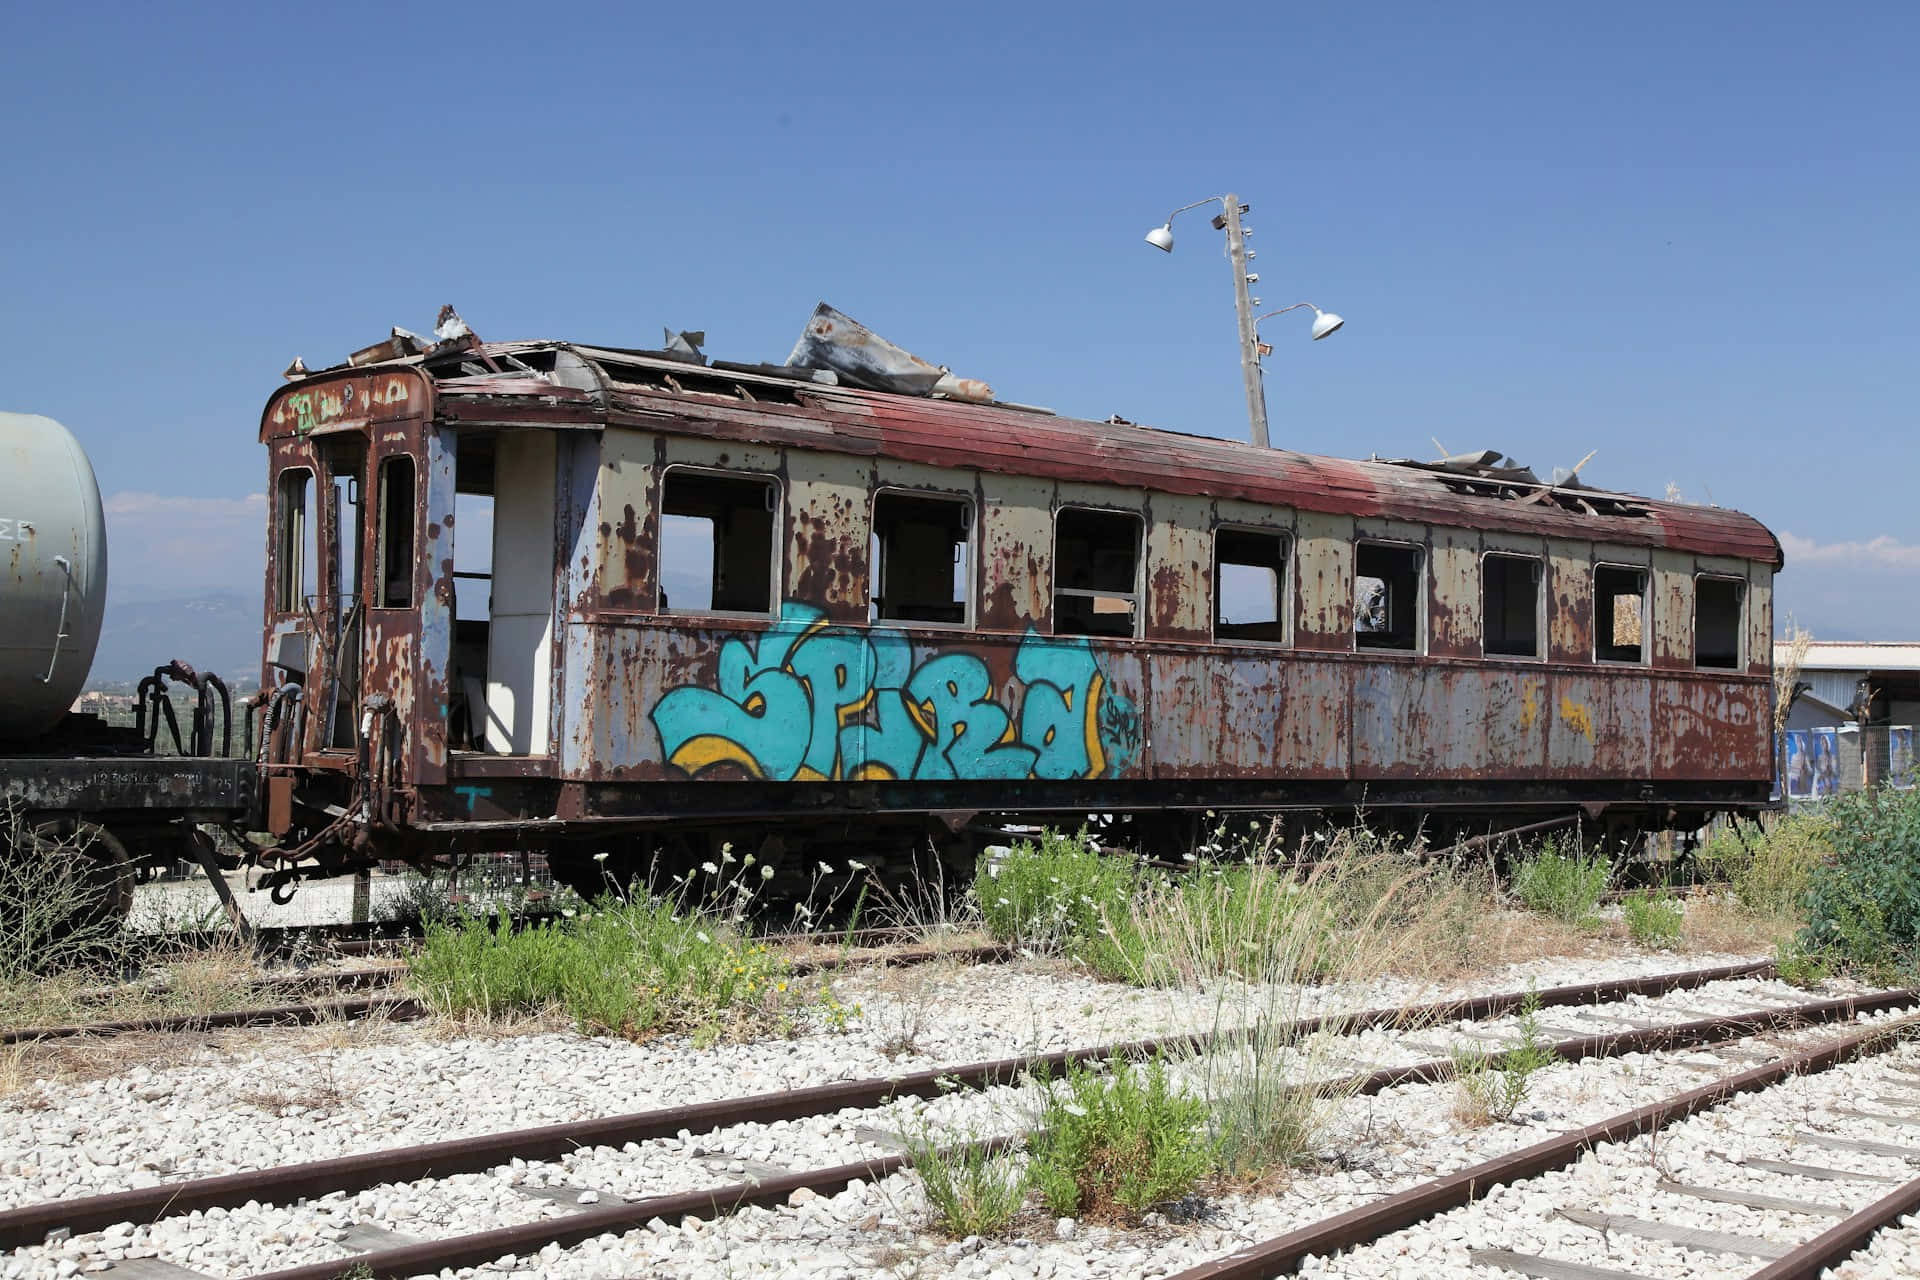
561,384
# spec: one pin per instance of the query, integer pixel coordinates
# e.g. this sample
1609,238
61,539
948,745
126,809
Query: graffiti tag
811,702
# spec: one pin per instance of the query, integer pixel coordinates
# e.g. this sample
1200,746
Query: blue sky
1680,235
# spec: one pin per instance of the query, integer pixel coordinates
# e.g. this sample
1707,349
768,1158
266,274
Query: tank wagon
626,606
94,787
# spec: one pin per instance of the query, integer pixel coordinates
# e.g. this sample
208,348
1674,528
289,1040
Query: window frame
291,539
970,505
1137,597
776,550
1421,592
1740,585
1283,587
1646,610
381,549
1539,563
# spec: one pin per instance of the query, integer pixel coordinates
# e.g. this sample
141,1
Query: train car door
406,621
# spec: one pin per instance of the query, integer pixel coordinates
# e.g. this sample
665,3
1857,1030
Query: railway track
454,1167
404,1008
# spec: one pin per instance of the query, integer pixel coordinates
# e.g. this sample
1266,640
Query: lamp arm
1282,311
1195,205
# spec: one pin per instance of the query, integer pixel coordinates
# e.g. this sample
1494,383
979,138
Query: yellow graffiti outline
1096,754
705,750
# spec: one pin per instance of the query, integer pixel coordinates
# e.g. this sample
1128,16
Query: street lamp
1228,220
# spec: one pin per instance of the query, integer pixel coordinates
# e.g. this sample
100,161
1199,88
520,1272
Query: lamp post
1228,220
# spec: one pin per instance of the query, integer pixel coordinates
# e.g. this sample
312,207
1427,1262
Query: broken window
717,544
1619,613
1510,605
1716,621
919,558
1249,581
1096,556
397,554
297,537
1386,596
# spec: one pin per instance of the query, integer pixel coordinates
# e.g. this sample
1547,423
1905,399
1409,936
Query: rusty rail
1445,1193
1832,1247
1283,1254
26,1224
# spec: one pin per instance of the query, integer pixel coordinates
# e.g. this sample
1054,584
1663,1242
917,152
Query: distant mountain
218,633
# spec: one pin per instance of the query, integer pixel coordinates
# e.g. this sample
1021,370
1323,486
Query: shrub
971,1188
1653,919
630,969
1800,967
1110,1147
1863,905
1492,1086
1062,894
1566,886
1769,871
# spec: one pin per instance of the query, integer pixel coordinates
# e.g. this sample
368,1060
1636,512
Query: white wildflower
710,869
600,856
766,873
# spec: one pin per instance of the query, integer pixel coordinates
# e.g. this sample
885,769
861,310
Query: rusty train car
622,607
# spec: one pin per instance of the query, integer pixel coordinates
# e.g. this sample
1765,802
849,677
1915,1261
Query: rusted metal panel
1517,714
1016,555
1415,719
805,700
1180,570
1323,553
829,504
1711,729
434,591
1600,724
146,784
626,524
346,402
1454,608
1569,602
1672,600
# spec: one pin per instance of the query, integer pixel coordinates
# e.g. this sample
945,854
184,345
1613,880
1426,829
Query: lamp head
1324,323
1161,238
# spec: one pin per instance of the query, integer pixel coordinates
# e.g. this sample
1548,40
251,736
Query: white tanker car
71,781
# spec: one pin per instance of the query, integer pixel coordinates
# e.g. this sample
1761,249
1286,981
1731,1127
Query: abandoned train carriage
545,594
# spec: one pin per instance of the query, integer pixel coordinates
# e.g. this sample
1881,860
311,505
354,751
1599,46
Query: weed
1492,1086
972,1188
630,969
1653,919
1799,966
1061,894
1770,870
1110,1147
1566,886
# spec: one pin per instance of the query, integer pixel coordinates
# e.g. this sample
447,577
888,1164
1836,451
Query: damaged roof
562,384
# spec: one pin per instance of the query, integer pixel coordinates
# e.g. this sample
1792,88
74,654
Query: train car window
1717,621
1249,585
919,558
397,554
1096,562
1510,605
1619,613
1386,596
296,542
717,543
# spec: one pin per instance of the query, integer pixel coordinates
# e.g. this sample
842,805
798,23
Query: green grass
1110,1147
1770,871
1060,894
1653,919
630,969
972,1189
1564,885
1491,1086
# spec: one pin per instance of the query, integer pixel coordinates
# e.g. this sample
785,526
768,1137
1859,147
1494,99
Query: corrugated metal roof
1843,655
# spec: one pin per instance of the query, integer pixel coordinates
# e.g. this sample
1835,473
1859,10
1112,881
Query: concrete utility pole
1238,255
1243,312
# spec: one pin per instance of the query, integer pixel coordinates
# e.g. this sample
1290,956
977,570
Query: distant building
1851,723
